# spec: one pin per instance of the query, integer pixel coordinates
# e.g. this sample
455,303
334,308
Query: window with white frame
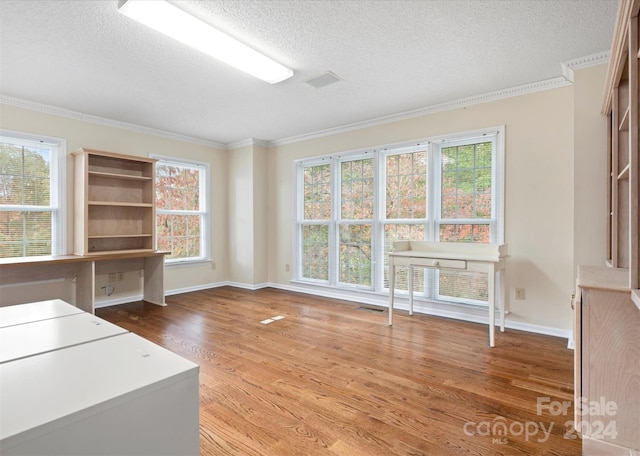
182,216
315,220
355,221
466,210
406,206
31,195
352,207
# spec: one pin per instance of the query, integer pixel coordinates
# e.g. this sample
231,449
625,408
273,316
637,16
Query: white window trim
300,220
496,221
58,193
205,232
497,193
338,220
430,227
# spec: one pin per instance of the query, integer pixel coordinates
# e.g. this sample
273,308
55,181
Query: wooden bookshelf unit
114,203
607,303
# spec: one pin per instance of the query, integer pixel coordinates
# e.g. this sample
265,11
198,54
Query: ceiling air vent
323,80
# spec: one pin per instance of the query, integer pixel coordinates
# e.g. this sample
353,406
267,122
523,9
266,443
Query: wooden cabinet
607,314
622,111
607,389
114,203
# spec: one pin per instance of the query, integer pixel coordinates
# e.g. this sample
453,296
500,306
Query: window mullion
377,249
334,229
434,190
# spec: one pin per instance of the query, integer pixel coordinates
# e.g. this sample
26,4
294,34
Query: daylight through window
352,207
181,210
30,195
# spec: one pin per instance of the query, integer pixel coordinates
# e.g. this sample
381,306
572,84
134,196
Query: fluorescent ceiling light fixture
181,26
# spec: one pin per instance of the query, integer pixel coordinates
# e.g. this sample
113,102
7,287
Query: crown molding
446,106
248,143
570,66
57,111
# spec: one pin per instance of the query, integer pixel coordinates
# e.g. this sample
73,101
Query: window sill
186,263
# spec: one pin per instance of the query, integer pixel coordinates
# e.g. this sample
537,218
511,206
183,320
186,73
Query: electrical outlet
213,266
108,289
112,277
287,268
520,293
120,276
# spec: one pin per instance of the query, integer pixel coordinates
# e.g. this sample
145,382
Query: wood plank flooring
333,379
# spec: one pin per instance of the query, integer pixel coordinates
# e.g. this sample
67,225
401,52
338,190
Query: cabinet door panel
610,373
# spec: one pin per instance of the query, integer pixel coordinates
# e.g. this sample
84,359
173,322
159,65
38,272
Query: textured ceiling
392,56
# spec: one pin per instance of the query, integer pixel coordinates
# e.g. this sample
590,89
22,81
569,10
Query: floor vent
371,309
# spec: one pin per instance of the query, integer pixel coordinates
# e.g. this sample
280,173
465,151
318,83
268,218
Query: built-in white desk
460,256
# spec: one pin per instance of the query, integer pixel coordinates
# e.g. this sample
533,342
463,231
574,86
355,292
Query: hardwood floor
333,379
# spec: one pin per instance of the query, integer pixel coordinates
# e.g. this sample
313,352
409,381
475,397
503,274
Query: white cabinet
87,387
20,341
35,311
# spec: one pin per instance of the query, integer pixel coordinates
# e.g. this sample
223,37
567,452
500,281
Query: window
31,195
405,206
355,221
466,212
315,224
182,217
351,208
465,191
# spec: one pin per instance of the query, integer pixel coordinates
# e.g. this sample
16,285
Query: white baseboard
206,286
247,286
139,297
117,301
175,291
457,312
571,343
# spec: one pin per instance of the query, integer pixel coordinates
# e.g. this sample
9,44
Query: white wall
241,222
102,137
539,206
589,167
248,249
260,213
555,142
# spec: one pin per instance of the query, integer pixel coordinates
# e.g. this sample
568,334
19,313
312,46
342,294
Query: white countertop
450,250
20,341
35,311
